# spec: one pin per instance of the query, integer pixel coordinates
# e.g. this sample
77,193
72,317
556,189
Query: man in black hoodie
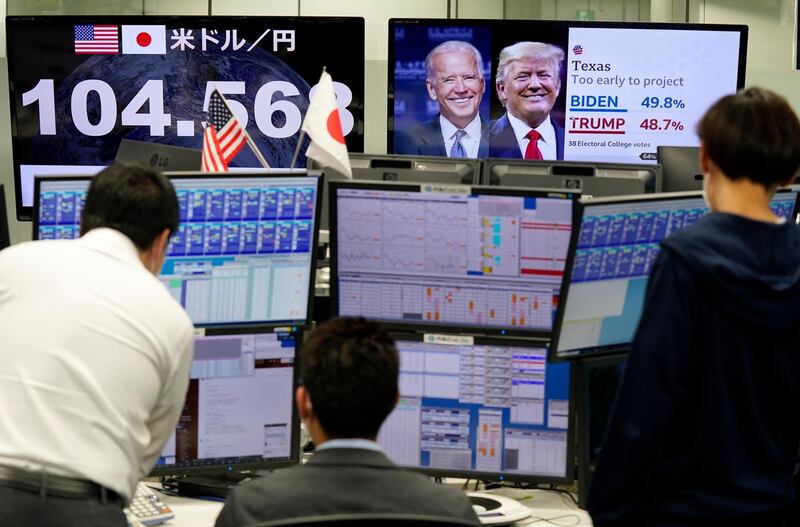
706,424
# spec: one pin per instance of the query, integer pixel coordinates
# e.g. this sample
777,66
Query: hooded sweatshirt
705,429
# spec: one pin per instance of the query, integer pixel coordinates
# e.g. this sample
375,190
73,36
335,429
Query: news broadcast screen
592,91
81,84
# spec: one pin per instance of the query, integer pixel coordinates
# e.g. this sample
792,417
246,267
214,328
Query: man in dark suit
349,368
528,82
455,80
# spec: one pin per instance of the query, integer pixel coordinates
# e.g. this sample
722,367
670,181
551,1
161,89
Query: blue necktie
457,149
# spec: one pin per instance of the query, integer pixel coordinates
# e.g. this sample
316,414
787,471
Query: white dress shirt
471,141
547,143
94,360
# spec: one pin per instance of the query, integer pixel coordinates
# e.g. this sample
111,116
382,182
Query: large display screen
610,263
244,252
483,408
225,424
479,258
81,84
607,92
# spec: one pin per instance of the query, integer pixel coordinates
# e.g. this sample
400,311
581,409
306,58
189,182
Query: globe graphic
185,76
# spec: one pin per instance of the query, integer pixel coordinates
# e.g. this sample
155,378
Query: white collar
521,129
473,129
111,243
354,442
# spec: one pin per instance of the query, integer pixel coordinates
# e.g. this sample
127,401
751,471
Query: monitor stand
213,486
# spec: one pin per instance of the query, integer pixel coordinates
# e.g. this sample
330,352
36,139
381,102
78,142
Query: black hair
350,368
753,134
135,200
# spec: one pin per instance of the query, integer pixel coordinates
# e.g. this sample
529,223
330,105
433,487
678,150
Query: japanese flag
144,40
323,126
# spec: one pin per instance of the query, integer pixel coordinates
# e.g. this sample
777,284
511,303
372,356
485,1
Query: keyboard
147,507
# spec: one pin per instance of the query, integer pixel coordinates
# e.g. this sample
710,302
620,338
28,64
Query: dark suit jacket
503,142
342,480
425,139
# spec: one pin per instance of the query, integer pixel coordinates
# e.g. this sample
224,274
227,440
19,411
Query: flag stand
297,148
247,137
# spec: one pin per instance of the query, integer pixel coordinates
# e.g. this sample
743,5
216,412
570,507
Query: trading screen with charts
615,251
479,260
479,407
243,252
225,419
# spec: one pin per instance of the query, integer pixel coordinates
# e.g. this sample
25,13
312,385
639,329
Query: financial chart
243,250
470,407
444,258
615,251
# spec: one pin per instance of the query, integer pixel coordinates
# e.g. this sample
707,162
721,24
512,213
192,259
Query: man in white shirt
349,368
454,71
94,357
528,83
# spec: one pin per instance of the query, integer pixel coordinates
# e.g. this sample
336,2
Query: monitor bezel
490,162
741,29
542,335
669,152
5,235
238,467
306,322
419,336
583,454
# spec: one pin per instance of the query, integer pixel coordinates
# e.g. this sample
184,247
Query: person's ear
153,257
501,92
431,91
303,402
705,161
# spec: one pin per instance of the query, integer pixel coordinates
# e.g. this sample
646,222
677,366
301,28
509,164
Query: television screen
609,265
480,408
244,252
592,91
483,259
225,424
81,84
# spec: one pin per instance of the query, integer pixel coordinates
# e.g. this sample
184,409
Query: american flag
223,137
577,49
96,39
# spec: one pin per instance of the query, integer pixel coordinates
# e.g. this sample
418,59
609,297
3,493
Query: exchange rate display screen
81,84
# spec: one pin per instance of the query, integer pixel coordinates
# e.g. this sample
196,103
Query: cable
553,520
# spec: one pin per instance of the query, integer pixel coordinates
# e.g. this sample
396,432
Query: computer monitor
596,382
609,262
413,169
239,413
484,408
5,238
476,259
680,168
160,156
244,253
591,179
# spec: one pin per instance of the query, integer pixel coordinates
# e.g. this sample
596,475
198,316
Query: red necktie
533,152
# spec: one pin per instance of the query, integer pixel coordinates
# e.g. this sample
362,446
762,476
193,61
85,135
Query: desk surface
544,505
